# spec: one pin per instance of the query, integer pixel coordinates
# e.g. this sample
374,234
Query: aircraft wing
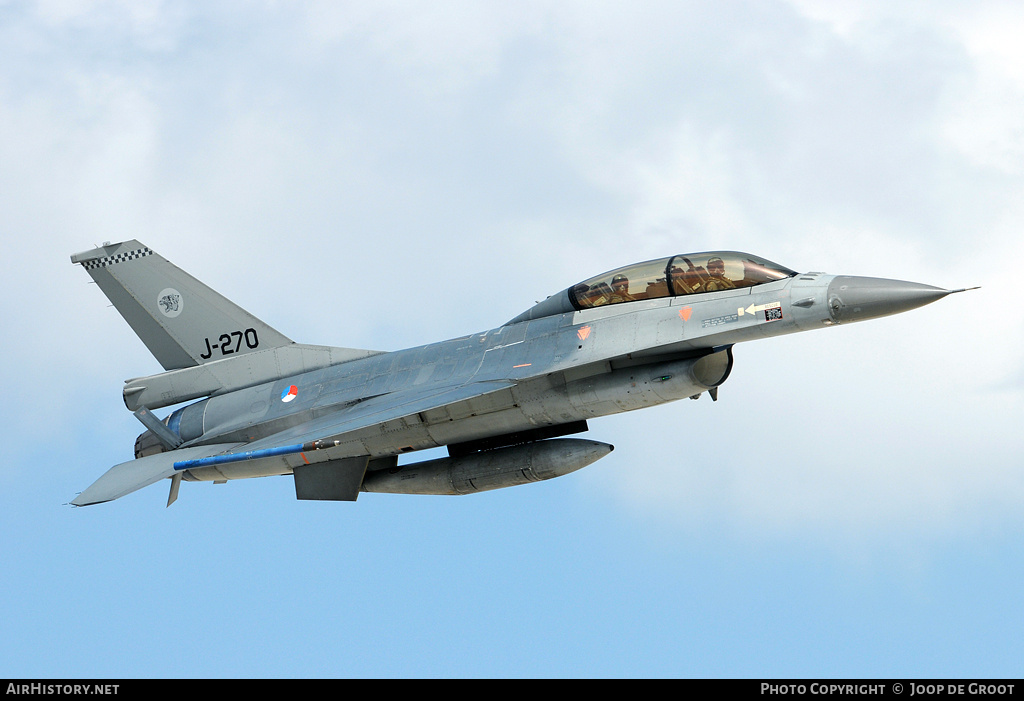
130,476
375,411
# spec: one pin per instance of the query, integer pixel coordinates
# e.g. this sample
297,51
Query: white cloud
389,174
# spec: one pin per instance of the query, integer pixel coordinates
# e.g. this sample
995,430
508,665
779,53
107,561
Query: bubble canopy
691,273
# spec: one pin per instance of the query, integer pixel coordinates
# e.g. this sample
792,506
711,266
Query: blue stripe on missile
238,457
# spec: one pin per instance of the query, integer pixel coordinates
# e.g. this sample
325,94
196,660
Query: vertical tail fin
183,322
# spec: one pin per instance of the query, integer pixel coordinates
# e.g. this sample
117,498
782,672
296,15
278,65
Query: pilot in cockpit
717,279
620,290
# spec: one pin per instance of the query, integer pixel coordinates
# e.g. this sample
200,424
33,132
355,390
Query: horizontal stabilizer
135,474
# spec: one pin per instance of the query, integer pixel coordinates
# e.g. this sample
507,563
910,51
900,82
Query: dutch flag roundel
289,393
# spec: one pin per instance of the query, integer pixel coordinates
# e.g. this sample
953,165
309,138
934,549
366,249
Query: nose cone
859,298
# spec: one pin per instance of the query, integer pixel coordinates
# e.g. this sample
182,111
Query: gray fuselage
566,367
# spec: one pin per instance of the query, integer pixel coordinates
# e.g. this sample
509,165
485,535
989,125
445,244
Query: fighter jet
501,401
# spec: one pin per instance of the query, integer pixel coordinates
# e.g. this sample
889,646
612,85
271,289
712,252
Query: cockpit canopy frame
686,274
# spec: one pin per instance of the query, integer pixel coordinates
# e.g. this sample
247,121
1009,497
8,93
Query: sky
388,174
